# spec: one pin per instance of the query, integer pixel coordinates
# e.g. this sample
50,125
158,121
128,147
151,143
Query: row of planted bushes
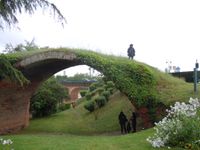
136,80
98,95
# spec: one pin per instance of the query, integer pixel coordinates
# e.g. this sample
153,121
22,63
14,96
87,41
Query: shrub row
103,92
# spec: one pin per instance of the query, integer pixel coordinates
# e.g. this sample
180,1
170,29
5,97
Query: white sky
160,30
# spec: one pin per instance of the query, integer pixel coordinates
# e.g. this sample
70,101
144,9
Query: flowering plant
181,126
6,144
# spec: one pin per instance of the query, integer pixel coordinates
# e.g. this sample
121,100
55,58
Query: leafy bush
93,87
110,84
90,106
63,106
83,92
43,103
47,97
100,101
106,94
93,93
181,127
111,90
100,90
88,96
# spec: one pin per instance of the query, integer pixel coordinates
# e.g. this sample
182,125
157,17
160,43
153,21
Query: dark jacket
131,51
122,118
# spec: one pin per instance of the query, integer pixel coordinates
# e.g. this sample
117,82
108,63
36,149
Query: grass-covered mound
80,121
142,83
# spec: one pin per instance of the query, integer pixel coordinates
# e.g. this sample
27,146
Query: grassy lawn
76,129
51,141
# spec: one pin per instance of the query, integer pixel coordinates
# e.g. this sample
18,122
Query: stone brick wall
14,100
145,117
14,107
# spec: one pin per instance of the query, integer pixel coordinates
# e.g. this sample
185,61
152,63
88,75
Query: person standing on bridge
131,52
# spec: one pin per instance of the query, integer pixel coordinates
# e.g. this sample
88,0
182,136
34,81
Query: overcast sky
160,30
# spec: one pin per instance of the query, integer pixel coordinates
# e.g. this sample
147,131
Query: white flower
172,124
7,142
198,141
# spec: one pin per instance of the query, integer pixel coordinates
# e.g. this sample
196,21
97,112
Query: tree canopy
47,98
10,8
28,46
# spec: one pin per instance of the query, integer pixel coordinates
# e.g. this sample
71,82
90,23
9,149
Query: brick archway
15,100
74,95
74,87
38,67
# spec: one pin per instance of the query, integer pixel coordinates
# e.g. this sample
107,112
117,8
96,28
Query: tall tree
9,9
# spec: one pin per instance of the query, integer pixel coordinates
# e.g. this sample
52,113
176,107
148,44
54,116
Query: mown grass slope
79,121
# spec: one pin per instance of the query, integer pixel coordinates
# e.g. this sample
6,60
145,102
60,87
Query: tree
80,76
28,46
47,98
7,71
61,78
9,9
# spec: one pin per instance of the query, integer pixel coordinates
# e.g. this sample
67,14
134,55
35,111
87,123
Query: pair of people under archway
127,125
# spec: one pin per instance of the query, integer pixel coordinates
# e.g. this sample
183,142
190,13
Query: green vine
130,77
8,72
140,82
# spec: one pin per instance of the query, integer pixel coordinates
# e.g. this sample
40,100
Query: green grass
76,129
49,141
80,121
173,89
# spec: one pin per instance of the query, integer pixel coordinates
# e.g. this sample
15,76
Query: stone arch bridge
74,88
39,66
